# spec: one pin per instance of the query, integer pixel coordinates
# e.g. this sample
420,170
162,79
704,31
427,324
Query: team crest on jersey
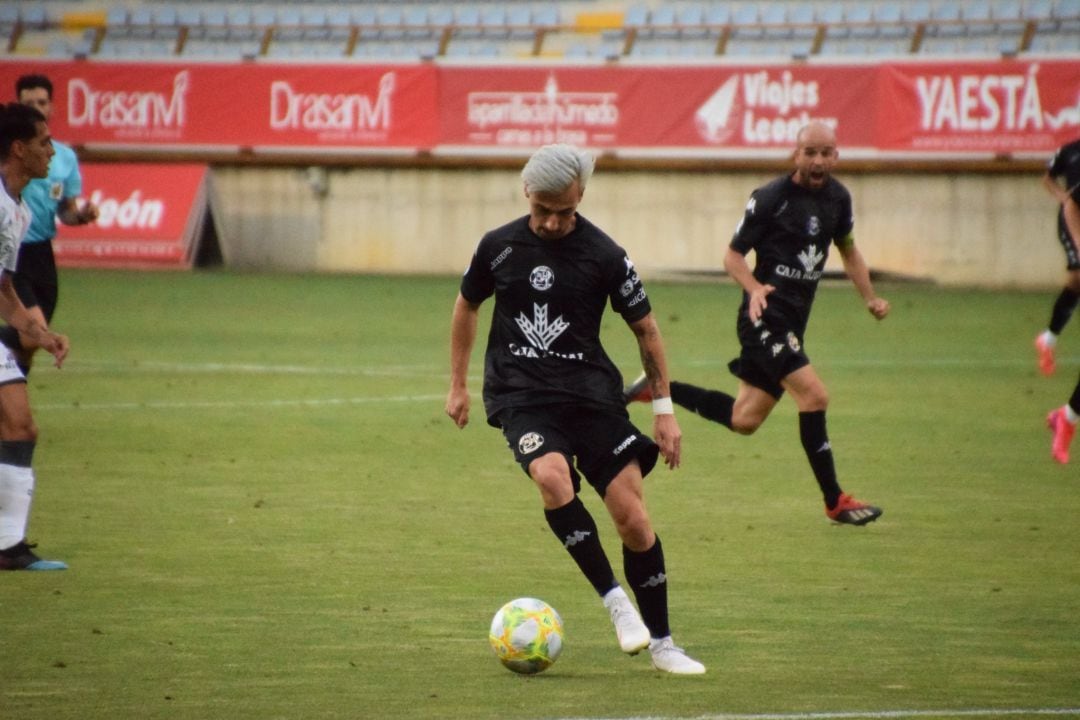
542,278
810,257
813,226
793,342
530,442
627,288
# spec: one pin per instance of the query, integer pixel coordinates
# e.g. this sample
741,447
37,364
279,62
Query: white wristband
663,406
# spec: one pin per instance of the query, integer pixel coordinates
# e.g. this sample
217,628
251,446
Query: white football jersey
14,220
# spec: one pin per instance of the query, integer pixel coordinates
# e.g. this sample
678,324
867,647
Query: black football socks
709,404
647,577
1064,307
815,442
576,530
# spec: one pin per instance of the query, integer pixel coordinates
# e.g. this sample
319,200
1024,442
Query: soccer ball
526,635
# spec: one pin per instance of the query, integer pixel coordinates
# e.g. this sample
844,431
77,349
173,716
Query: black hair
29,82
17,122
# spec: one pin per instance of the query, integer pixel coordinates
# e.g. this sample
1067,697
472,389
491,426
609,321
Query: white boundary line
229,404
870,715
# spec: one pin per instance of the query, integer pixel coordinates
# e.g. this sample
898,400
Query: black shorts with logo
599,442
35,279
770,352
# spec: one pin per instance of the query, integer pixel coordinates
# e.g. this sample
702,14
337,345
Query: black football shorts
599,442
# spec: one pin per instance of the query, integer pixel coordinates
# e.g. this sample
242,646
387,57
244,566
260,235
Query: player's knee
745,424
634,529
19,429
552,477
816,401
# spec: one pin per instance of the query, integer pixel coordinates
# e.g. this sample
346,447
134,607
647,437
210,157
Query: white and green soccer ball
526,635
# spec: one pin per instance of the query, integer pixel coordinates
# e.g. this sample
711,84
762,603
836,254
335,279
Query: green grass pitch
268,516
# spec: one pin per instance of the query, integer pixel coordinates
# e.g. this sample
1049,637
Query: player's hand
56,345
87,214
758,303
669,438
457,406
878,307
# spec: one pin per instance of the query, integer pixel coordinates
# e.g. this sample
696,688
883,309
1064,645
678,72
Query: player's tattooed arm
653,358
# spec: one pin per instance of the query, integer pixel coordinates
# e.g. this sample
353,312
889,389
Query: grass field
267,515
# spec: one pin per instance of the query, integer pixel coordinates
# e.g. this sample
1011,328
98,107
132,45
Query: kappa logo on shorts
777,348
624,444
793,342
530,442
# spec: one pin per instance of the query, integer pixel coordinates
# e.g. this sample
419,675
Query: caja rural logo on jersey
810,258
541,332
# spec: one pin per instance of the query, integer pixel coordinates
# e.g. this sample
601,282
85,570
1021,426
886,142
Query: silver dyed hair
553,168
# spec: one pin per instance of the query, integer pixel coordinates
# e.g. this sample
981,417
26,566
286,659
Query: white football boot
629,629
669,658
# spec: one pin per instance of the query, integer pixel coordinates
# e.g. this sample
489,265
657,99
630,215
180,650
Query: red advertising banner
150,216
929,109
238,105
1003,107
733,110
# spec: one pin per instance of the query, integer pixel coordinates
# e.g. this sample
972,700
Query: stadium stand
513,29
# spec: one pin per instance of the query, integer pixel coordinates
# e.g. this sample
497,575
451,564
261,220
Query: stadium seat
391,20
916,12
831,15
662,23
801,17
976,15
691,20
1067,14
945,19
717,14
745,21
860,17
520,21
775,19
1007,16
636,16
547,15
889,19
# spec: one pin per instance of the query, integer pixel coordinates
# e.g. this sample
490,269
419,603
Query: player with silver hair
553,168
557,396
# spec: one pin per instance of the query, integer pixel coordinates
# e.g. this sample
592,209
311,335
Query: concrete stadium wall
977,229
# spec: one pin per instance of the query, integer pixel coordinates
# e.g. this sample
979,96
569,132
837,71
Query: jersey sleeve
73,184
10,236
753,223
625,288
478,282
845,220
1053,168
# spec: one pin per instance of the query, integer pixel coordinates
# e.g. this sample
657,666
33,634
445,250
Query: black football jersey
1066,164
544,344
790,228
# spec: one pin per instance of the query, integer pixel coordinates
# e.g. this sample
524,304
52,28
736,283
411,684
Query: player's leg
1069,297
1062,422
710,404
39,292
646,572
751,408
812,400
18,436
